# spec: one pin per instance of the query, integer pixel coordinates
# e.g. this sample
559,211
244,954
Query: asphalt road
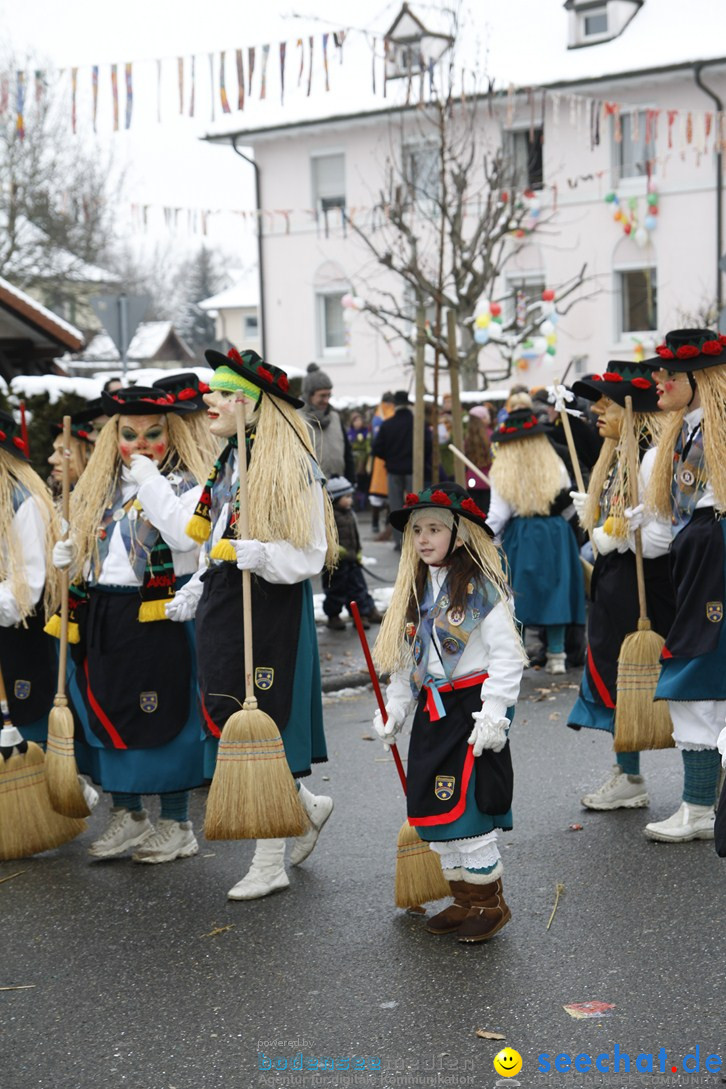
147,977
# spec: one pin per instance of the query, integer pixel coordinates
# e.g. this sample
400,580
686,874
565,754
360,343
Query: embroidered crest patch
148,702
456,617
688,478
714,611
444,787
264,677
22,689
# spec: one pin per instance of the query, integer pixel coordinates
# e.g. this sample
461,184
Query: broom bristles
419,878
61,772
253,793
28,823
640,721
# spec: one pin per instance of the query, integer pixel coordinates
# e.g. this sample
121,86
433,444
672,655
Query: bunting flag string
192,85
311,42
94,94
301,47
325,62
283,51
129,93
263,71
222,89
250,68
211,84
20,106
240,80
114,95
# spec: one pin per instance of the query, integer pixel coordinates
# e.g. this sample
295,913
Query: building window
524,158
636,149
422,168
251,326
331,325
638,295
328,181
594,23
522,294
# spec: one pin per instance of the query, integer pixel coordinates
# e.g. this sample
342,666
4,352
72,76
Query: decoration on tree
488,322
628,216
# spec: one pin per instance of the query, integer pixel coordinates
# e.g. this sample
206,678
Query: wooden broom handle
634,465
575,462
65,578
469,464
250,703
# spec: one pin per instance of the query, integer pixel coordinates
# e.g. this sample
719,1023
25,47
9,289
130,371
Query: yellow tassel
224,550
53,627
74,632
152,610
616,527
198,528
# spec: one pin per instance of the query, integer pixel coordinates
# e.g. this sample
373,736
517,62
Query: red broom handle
377,688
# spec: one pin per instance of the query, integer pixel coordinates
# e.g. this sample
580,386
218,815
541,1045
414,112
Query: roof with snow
31,336
245,293
153,341
524,44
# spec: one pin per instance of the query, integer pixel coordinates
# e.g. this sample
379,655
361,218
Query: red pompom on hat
411,500
687,351
664,352
641,383
712,347
611,376
441,497
470,505
262,372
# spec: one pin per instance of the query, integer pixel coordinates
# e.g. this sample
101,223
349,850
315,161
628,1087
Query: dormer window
593,21
411,48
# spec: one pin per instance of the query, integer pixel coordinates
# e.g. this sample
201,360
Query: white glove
605,542
721,746
579,500
250,554
181,607
488,732
142,469
635,517
395,717
63,554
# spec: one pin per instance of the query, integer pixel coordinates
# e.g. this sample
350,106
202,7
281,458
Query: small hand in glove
181,607
250,554
579,501
63,554
142,469
605,542
635,517
721,746
488,732
388,730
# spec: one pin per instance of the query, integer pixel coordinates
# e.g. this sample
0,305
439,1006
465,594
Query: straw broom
61,772
28,823
253,794
418,869
640,722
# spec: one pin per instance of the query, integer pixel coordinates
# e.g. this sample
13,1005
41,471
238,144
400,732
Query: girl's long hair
15,473
527,473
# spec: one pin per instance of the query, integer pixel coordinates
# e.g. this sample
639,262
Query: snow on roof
521,44
34,385
48,319
244,293
145,343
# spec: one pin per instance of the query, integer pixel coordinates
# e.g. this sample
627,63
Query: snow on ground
381,595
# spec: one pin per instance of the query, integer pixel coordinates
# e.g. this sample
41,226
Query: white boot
318,808
556,663
687,823
265,875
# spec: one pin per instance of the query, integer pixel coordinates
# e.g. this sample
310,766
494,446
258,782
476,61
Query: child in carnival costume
291,523
27,530
451,645
529,490
347,582
688,486
130,552
614,611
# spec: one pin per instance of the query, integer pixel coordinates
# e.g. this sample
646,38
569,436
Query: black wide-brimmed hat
685,350
619,381
251,366
11,437
142,401
521,423
186,387
79,425
447,496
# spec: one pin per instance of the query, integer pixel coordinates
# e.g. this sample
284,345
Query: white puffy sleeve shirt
28,529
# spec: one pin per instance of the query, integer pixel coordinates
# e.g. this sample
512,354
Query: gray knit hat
314,380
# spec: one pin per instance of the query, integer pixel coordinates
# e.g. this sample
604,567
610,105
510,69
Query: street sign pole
120,315
123,324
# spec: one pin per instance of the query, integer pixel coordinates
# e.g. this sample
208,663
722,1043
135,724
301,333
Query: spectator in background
112,384
347,582
332,448
477,447
378,487
394,444
359,437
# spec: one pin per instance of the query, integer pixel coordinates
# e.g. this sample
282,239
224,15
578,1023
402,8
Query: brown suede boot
453,916
488,913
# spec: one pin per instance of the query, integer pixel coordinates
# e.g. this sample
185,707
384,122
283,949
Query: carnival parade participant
186,388
688,484
452,648
81,448
27,527
130,553
291,522
347,582
529,489
614,611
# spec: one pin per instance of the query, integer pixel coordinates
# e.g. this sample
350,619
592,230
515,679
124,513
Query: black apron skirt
30,670
276,614
697,570
135,677
441,762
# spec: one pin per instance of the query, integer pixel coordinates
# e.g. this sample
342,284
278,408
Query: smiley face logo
508,1062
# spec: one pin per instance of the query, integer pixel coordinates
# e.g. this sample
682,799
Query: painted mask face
147,435
221,412
609,418
674,390
431,539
